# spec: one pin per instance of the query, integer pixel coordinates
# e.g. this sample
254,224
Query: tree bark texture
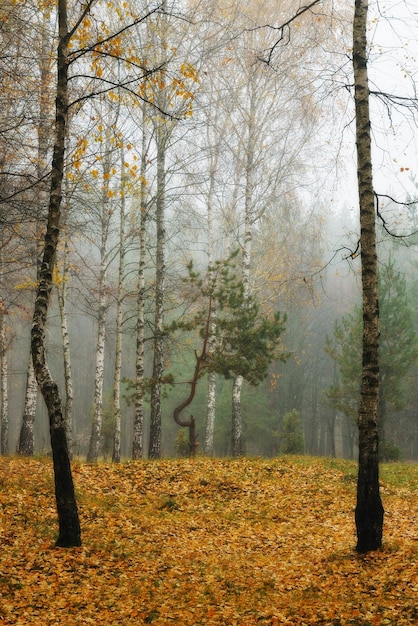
68,520
4,385
96,428
369,509
158,363
138,434
26,443
199,367
210,414
116,455
27,431
237,426
211,393
236,431
69,395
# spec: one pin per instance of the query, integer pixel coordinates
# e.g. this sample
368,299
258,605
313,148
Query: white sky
393,68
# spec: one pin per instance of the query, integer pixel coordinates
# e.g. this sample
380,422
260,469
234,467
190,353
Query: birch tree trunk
211,395
138,434
68,378
369,509
210,414
237,429
96,429
154,451
26,443
118,331
4,387
236,432
162,131
68,520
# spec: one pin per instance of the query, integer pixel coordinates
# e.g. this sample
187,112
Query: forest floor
246,542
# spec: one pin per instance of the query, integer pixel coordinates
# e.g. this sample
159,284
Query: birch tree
138,430
170,94
369,509
69,525
119,319
158,360
265,163
211,396
24,156
104,219
43,44
62,283
4,383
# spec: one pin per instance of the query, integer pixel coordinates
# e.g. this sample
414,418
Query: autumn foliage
207,541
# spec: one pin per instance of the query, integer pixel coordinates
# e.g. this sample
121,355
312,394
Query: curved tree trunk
369,509
199,367
68,520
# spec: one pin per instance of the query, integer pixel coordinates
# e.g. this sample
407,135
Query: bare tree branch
84,13
282,29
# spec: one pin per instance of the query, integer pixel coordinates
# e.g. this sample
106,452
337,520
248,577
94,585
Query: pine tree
398,351
246,342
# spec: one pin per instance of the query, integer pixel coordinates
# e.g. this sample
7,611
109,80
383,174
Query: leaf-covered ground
211,542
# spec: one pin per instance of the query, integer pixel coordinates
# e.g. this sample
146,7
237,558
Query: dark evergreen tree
291,434
398,352
246,341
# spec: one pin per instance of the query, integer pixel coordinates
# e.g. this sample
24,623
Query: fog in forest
203,134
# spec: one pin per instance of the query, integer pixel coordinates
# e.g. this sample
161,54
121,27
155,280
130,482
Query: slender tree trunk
211,394
68,520
162,132
331,430
66,352
210,414
68,379
118,348
26,443
237,429
236,433
27,431
96,429
138,436
158,362
369,509
4,387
